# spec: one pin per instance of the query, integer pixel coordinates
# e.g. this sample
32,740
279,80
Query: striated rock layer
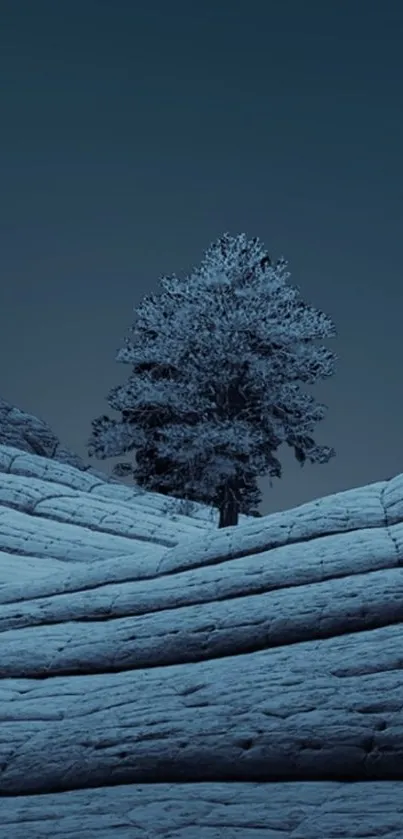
162,678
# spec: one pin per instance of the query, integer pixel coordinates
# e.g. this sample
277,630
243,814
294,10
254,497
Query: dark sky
134,133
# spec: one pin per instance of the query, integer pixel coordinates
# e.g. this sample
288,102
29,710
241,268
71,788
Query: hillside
162,678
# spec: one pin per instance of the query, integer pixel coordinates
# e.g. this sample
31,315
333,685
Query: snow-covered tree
218,359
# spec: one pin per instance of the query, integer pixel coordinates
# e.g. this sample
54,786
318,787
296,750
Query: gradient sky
134,133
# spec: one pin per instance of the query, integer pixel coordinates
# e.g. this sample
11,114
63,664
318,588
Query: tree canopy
218,359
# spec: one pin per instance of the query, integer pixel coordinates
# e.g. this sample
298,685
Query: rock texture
162,678
31,434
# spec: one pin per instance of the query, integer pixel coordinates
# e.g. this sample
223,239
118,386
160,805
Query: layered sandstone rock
163,678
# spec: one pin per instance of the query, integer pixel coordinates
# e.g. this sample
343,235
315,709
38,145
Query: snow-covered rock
162,678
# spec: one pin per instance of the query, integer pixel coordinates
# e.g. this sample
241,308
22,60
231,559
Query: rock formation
162,678
25,431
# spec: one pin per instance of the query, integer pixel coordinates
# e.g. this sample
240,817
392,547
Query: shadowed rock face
25,431
162,678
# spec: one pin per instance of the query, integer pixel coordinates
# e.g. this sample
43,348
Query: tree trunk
229,507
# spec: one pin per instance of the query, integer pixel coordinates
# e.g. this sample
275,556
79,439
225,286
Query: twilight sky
134,133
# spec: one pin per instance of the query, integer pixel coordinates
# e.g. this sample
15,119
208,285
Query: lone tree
218,359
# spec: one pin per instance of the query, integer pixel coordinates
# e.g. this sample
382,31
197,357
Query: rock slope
23,430
162,678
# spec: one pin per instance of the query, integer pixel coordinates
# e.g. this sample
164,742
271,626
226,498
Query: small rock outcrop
23,430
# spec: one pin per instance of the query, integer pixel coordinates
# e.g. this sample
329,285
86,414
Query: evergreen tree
218,359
